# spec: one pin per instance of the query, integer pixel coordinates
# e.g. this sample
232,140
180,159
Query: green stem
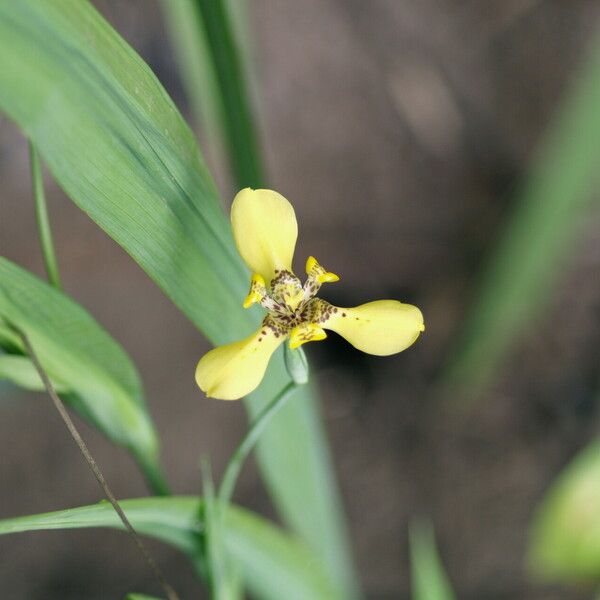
236,462
43,221
236,111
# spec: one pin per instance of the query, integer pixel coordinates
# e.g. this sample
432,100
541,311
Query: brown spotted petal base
293,310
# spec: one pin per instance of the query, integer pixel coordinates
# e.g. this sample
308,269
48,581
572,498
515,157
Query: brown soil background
400,130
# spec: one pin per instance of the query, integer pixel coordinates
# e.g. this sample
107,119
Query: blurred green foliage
517,281
564,540
429,580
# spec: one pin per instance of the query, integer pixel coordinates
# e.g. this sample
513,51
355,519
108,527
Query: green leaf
429,580
273,564
564,541
77,353
115,142
20,371
140,597
538,240
10,342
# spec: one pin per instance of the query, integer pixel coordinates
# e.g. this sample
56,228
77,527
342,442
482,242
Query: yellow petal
383,327
265,230
233,371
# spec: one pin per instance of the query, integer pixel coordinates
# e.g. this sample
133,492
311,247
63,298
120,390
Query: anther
317,272
257,290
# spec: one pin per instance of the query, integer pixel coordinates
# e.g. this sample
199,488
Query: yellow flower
265,230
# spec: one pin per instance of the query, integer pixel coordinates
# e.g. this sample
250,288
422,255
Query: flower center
291,305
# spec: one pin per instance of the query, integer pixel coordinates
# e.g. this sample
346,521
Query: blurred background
402,132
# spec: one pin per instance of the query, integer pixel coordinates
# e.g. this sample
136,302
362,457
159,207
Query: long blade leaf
115,142
209,41
273,564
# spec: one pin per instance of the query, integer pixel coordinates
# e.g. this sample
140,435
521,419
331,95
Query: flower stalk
238,458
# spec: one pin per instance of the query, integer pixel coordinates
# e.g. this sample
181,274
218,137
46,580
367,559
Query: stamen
316,271
287,291
258,290
306,332
317,275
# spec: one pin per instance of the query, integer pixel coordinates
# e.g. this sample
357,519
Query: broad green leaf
273,564
429,580
213,53
538,239
564,542
140,597
79,355
115,142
